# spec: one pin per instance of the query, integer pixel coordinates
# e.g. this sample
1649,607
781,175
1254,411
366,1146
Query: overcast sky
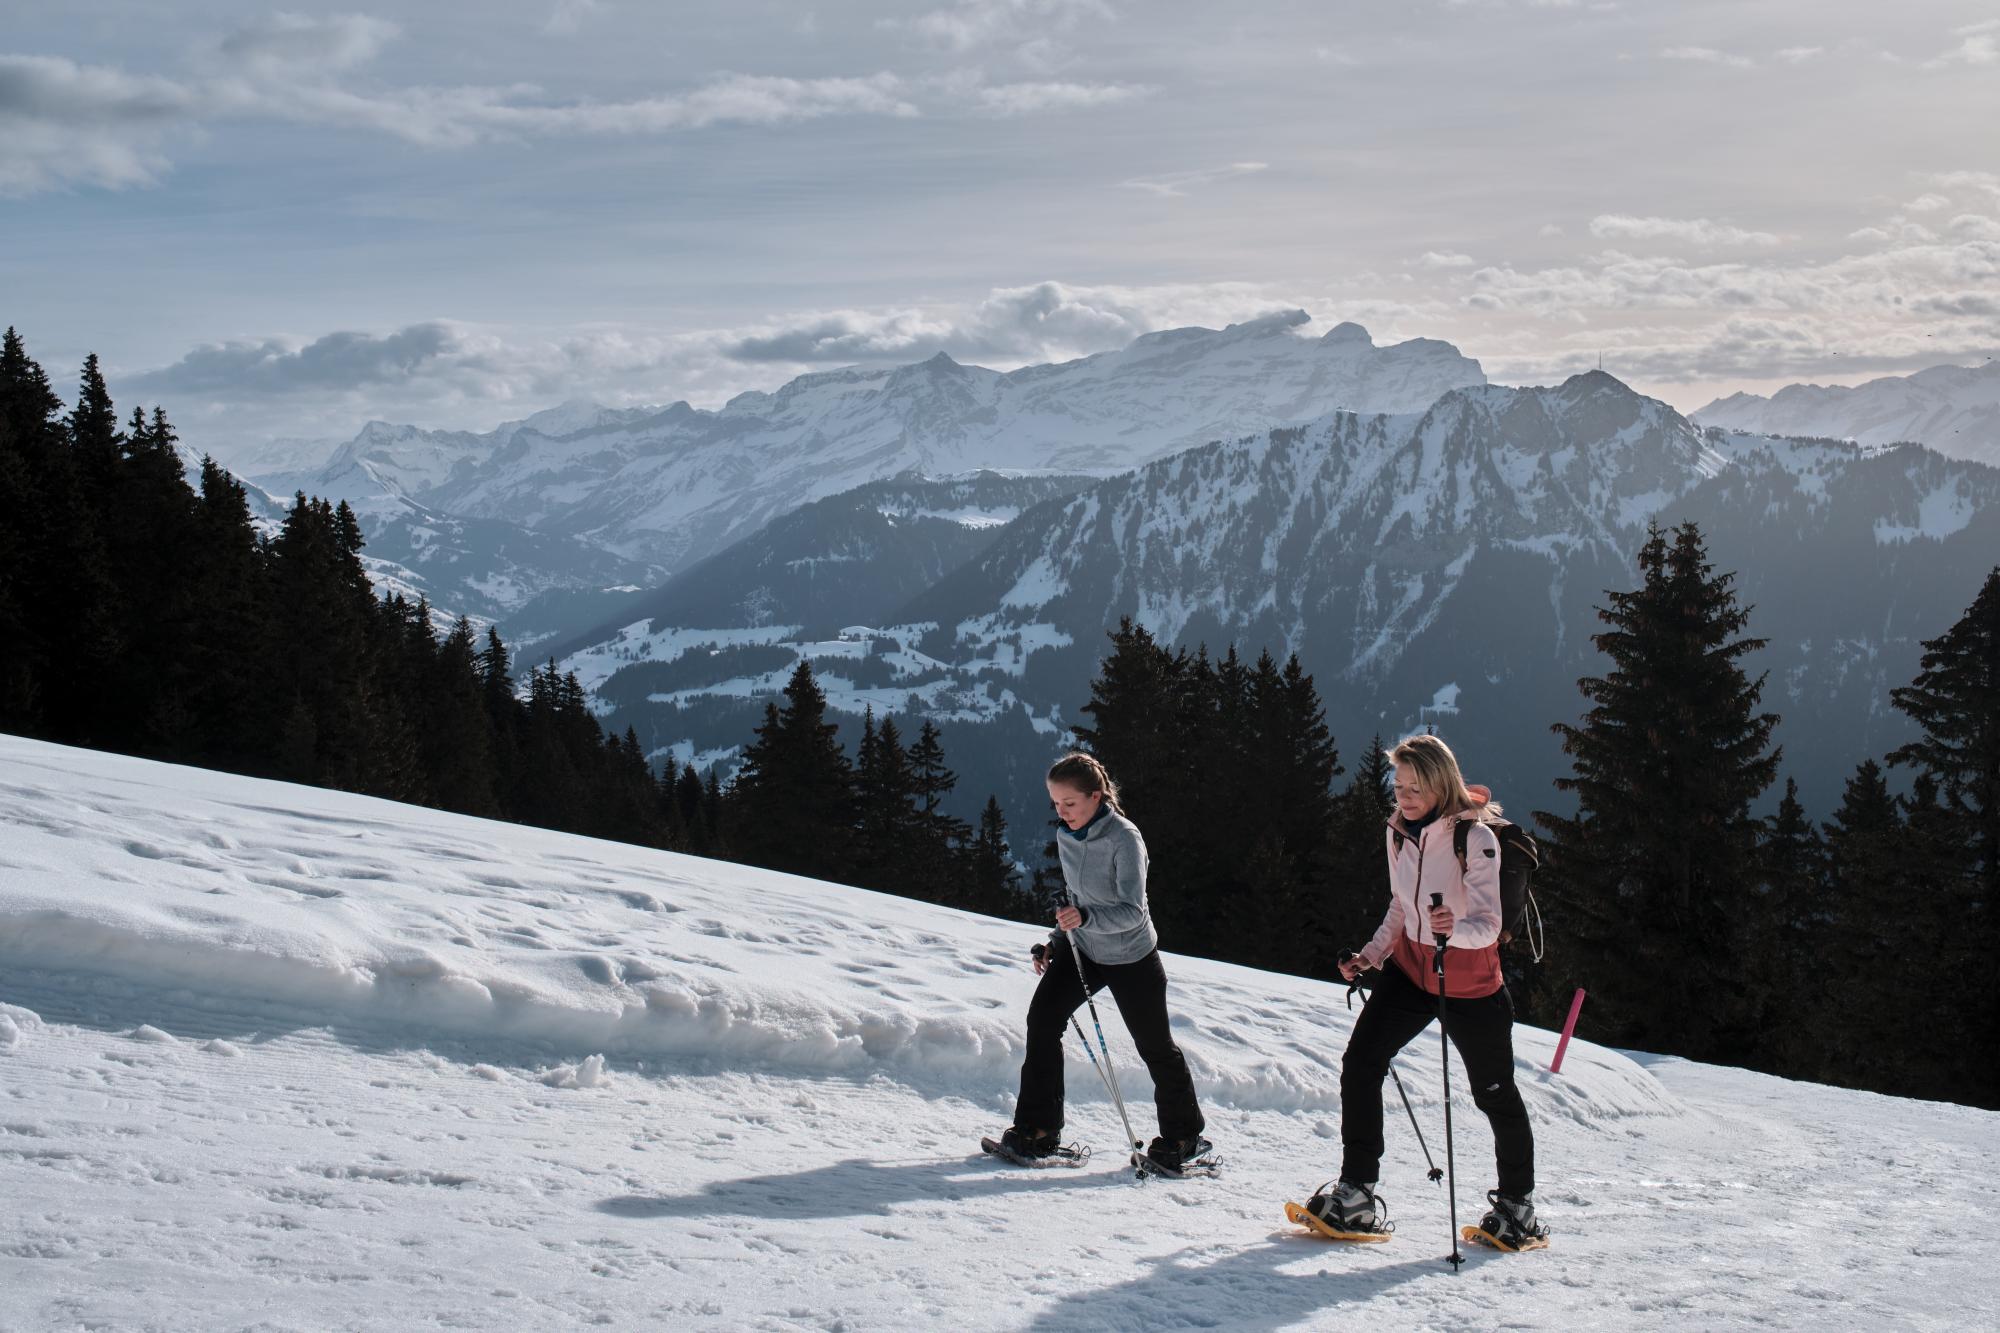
289,221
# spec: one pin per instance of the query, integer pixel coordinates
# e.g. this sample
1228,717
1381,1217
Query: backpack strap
1460,830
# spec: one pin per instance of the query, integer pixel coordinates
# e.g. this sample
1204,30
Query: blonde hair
1083,772
1436,770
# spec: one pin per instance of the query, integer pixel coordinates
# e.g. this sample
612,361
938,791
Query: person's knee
1498,1096
1362,1070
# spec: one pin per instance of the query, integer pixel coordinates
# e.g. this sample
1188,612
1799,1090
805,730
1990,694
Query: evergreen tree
1956,700
888,825
1358,890
939,861
1794,916
794,796
1866,940
1650,879
995,881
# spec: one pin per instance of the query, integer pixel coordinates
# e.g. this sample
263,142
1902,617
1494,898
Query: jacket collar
1081,833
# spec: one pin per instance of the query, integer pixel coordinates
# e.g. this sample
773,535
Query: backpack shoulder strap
1460,831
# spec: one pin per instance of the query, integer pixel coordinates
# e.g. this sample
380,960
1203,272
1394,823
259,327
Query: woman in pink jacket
1431,800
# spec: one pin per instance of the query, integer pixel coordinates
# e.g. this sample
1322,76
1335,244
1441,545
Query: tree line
143,613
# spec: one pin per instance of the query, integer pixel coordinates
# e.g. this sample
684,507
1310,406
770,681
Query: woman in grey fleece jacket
1105,920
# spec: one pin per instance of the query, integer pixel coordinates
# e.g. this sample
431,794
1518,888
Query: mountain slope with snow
1436,568
674,485
1953,409
286,1057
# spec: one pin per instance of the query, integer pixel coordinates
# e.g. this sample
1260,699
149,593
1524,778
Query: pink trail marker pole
1569,1026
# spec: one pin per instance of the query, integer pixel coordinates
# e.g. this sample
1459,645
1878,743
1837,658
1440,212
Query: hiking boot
1346,1206
1026,1144
1511,1220
1173,1154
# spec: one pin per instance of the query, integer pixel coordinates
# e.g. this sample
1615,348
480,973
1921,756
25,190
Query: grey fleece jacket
1105,872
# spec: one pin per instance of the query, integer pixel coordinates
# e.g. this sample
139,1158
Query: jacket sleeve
1480,925
1128,874
1379,948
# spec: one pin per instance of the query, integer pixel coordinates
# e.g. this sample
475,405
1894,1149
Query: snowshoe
1509,1225
1037,1150
1177,1158
1344,1210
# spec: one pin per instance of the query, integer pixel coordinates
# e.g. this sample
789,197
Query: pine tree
794,796
996,882
1865,941
1649,881
1358,892
1953,853
939,864
1956,700
1793,916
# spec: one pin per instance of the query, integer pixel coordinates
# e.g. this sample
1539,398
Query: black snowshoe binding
1044,1149
1179,1158
1344,1210
1509,1225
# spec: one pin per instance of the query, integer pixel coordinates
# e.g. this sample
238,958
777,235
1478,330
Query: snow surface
277,1057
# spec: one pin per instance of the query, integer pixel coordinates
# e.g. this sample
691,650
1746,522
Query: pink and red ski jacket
1425,863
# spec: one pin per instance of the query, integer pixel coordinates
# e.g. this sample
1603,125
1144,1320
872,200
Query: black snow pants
1141,991
1483,1032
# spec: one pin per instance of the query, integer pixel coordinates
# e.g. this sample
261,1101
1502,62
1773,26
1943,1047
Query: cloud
1022,99
1446,259
338,362
1013,325
1176,184
63,124
284,43
569,15
1975,227
972,24
1959,303
1693,231
1965,180
1979,44
1798,55
1708,55
1927,203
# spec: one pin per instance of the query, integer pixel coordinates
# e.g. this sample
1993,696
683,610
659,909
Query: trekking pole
1444,1041
1436,1173
1110,1075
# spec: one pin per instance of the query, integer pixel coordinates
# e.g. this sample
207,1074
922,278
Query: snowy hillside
1953,409
280,1057
674,485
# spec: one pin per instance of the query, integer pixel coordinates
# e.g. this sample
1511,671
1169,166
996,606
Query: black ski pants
1482,1030
1141,991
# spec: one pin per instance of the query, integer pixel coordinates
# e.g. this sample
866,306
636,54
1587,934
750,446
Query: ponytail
1083,772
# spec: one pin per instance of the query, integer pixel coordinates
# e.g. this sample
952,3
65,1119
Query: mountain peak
1344,333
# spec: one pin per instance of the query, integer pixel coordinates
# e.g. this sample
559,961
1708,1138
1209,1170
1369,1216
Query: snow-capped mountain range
1953,409
673,485
1433,567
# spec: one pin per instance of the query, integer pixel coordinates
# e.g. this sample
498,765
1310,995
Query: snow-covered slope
674,485
279,1057
1953,409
